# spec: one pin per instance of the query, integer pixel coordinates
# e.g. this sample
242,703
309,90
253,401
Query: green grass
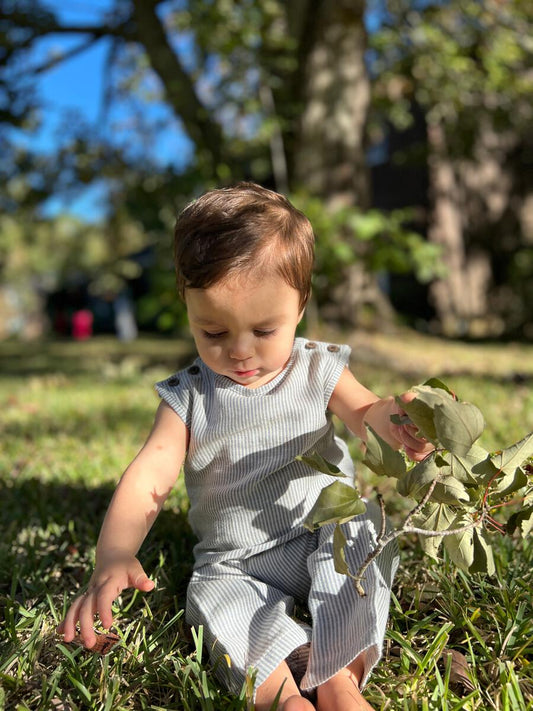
73,415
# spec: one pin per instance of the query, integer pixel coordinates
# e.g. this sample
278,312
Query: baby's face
244,327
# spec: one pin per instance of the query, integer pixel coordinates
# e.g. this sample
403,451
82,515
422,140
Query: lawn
73,416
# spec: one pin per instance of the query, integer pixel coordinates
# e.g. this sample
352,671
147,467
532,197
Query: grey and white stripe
249,497
246,607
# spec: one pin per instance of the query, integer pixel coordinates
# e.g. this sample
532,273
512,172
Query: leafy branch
457,487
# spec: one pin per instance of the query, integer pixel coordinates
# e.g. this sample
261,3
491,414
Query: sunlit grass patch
437,608
67,436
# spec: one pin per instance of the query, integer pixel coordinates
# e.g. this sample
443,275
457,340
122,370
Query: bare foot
290,698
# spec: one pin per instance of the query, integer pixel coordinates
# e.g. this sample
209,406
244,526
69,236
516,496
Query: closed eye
219,334
259,333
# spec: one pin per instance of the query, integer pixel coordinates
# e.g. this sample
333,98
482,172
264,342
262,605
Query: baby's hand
111,576
416,447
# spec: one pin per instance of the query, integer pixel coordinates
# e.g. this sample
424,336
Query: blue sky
77,85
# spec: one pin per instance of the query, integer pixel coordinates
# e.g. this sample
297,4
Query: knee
297,703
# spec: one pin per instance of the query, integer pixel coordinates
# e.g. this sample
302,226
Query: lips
246,373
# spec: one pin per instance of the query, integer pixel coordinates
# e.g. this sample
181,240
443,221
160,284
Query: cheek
278,351
210,351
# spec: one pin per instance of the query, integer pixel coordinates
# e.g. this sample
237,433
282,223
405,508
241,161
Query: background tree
279,92
468,67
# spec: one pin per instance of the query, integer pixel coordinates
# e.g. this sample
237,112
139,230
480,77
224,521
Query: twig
383,529
423,501
489,484
383,540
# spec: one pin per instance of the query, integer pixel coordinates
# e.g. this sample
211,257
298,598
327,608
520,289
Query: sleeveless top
246,489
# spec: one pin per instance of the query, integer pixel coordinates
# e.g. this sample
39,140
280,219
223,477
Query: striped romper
248,498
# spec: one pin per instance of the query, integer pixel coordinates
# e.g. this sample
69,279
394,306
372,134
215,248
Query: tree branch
58,59
420,505
179,88
382,542
46,24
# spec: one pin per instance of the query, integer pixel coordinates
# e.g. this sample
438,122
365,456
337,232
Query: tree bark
329,154
329,158
470,197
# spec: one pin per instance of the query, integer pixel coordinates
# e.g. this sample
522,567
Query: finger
410,439
67,627
105,601
143,583
418,450
86,617
408,396
415,455
409,434
415,447
405,435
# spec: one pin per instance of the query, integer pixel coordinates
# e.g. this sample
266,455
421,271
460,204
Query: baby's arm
137,500
357,407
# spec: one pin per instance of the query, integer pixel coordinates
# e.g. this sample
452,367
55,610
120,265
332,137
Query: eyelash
257,333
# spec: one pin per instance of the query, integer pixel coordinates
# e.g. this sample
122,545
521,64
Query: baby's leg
341,692
290,698
348,630
245,622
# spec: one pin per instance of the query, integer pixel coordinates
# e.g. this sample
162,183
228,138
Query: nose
241,349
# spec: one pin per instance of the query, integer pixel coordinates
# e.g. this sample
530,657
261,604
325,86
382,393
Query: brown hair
237,229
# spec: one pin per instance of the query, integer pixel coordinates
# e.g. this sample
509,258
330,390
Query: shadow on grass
49,531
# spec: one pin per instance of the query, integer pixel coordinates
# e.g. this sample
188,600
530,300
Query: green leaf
317,462
336,503
442,419
514,456
483,556
473,467
434,517
339,556
401,419
381,458
438,384
458,425
420,411
450,490
460,546
521,520
417,481
504,485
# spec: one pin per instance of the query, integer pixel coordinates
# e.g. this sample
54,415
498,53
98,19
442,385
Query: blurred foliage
231,76
460,61
467,68
380,242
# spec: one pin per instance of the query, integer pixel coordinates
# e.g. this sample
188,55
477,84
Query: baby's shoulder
194,377
311,347
312,353
320,361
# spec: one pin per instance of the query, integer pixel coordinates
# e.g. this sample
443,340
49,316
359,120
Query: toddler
236,419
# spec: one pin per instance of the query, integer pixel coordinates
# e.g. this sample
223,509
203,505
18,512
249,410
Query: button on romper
249,496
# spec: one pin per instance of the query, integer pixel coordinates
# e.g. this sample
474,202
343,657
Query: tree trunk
329,158
470,198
